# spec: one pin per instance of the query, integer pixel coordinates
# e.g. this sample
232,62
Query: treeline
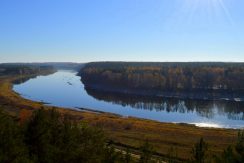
23,69
166,76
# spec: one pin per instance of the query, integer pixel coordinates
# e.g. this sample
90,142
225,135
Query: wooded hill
166,76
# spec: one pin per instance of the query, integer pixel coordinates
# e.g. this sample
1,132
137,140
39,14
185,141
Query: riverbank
126,131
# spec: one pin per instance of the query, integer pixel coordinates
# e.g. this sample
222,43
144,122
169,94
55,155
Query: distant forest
165,76
24,69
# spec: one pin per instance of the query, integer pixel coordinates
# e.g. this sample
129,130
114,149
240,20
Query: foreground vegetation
48,137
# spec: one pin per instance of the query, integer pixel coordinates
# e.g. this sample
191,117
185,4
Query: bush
199,151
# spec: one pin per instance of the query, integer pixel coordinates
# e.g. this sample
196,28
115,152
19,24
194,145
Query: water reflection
23,79
203,108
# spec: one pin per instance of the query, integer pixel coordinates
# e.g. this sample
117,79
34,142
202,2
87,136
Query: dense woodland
166,76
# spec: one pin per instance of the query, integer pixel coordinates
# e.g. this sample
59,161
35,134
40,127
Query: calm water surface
64,89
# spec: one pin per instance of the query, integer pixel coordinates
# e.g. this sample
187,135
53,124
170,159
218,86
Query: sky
121,30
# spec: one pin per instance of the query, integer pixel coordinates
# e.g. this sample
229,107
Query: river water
65,89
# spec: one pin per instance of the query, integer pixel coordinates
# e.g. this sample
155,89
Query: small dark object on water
69,83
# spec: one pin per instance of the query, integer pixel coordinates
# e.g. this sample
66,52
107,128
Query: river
65,89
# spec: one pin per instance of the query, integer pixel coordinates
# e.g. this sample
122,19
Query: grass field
126,131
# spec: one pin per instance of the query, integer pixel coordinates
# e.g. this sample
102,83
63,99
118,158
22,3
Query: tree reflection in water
205,108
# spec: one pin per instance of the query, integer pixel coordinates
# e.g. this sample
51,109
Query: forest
166,76
24,69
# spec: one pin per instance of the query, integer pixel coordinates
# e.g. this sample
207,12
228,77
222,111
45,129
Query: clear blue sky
126,30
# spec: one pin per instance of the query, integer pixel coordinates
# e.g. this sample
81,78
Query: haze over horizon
123,30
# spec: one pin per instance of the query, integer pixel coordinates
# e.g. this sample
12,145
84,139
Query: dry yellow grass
127,131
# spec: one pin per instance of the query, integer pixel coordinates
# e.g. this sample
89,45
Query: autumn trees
166,76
